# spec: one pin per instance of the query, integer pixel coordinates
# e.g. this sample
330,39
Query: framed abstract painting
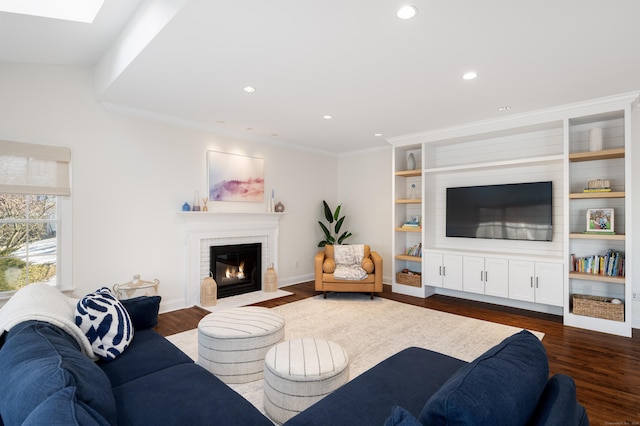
235,177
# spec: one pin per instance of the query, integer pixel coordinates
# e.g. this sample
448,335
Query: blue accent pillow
39,359
105,322
401,417
143,311
500,387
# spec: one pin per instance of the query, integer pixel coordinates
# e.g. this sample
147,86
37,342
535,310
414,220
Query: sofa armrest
319,260
558,404
377,269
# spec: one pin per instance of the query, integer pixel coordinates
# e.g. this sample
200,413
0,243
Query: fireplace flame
241,271
231,272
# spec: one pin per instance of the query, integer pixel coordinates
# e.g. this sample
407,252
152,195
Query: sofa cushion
106,323
367,265
38,360
143,311
202,398
329,265
63,408
149,352
501,387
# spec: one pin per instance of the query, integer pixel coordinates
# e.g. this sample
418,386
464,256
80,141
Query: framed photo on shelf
600,220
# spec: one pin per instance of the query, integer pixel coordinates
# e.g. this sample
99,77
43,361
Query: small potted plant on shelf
331,217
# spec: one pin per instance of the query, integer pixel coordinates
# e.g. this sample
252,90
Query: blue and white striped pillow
105,322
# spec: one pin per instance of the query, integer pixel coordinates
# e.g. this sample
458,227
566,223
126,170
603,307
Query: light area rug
372,330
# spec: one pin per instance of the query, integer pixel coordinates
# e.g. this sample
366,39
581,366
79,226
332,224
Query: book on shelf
415,250
596,190
412,222
611,264
598,185
411,225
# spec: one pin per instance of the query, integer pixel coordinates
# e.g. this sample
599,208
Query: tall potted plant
331,217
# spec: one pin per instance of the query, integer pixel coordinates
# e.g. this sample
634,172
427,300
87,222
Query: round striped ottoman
299,373
232,343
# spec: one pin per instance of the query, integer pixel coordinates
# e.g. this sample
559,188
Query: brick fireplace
204,230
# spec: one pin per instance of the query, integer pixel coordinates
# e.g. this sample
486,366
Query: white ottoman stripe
232,343
300,372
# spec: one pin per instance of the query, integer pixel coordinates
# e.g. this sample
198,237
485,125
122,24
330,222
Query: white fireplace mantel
204,229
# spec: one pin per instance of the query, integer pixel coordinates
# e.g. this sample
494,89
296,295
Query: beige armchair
325,267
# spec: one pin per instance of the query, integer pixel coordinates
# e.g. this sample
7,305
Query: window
28,240
34,190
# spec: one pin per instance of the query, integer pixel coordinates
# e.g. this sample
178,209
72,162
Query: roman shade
34,169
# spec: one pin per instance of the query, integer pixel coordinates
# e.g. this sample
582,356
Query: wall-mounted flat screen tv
517,211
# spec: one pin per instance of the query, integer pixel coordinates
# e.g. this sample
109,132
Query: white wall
131,175
364,190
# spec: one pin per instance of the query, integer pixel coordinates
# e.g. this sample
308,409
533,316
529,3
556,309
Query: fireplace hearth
236,268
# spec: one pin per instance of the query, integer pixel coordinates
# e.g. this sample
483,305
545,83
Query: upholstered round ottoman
232,343
300,372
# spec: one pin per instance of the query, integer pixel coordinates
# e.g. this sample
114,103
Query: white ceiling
188,60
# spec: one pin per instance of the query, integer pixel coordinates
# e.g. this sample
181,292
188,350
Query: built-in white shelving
541,146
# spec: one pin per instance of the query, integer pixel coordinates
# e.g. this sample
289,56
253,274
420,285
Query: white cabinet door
452,271
538,282
549,283
473,274
432,269
485,275
496,277
521,280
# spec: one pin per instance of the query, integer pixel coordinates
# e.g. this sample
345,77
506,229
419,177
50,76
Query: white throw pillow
105,322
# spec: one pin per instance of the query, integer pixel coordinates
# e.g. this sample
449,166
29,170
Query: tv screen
518,211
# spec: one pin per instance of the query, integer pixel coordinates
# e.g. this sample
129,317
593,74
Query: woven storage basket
136,288
413,280
597,307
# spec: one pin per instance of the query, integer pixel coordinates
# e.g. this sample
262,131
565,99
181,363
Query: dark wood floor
606,368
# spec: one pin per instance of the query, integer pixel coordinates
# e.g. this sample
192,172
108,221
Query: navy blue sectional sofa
508,385
46,379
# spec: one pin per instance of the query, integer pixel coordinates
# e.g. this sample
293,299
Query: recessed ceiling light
249,89
407,12
504,108
378,134
327,117
470,75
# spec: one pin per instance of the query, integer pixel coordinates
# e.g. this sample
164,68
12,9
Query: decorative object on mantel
205,200
270,204
600,221
196,202
411,162
208,292
234,177
186,207
270,280
335,237
136,288
595,139
279,208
